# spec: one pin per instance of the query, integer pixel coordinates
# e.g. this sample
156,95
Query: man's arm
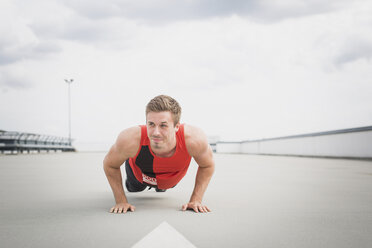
126,146
198,147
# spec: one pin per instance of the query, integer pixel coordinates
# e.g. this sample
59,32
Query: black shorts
132,184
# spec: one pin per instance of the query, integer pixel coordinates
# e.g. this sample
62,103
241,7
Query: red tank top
163,172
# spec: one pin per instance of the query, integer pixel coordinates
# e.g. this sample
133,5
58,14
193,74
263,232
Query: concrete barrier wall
228,147
354,143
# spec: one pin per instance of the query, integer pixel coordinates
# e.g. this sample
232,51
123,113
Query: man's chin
156,145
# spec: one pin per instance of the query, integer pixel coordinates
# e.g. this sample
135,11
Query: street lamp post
69,81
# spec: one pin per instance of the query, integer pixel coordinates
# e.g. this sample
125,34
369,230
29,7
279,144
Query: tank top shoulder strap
143,134
181,135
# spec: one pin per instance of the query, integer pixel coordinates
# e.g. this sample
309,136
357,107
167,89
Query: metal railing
19,142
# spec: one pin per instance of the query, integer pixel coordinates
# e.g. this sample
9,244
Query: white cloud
11,78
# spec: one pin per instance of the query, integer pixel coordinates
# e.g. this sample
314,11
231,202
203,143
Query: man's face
160,129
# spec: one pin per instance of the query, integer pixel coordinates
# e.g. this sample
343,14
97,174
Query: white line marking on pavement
164,236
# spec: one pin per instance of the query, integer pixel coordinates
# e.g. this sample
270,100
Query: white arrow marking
164,236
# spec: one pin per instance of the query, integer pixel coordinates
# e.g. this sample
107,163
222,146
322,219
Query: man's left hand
196,206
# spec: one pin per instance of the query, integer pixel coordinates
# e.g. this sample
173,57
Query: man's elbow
208,168
106,164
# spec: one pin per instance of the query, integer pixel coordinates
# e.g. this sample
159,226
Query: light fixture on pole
69,81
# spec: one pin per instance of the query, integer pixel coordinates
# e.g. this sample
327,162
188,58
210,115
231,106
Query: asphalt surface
63,200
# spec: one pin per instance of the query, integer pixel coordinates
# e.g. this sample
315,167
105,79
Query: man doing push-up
158,155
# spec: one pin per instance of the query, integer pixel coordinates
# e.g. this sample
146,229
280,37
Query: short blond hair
165,103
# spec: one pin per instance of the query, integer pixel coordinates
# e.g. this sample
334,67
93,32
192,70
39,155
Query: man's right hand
122,208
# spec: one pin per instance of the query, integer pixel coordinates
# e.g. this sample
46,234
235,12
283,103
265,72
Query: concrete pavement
62,200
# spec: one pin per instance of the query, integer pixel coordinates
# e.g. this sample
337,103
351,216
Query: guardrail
19,142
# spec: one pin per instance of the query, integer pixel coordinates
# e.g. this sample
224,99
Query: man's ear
177,126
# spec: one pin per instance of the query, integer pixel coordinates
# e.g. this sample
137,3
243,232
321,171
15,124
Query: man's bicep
115,158
204,157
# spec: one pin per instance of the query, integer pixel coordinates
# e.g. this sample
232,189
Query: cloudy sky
240,69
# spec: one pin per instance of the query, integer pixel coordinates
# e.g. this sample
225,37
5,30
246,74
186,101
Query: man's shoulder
192,132
195,139
131,132
129,139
